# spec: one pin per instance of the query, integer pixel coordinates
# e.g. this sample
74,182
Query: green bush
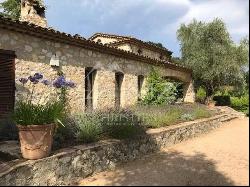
159,90
91,127
201,95
122,124
222,100
88,127
201,113
154,120
240,103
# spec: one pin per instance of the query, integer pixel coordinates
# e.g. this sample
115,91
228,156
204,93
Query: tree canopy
209,51
157,44
11,8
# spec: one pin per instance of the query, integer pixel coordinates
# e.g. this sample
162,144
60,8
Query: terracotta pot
36,140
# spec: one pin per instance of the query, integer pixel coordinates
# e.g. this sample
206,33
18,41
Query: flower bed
126,123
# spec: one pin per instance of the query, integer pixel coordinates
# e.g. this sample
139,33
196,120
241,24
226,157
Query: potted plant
37,122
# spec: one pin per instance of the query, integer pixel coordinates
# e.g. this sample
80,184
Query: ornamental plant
53,111
160,91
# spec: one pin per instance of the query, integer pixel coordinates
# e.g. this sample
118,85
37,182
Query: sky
148,20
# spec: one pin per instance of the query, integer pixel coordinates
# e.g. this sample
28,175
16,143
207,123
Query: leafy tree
11,8
157,44
160,91
207,48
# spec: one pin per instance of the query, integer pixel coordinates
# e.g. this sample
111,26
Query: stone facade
127,46
34,54
81,161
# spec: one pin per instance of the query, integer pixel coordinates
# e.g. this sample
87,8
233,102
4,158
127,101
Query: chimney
33,11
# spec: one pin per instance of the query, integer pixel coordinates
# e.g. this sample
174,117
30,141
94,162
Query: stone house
109,70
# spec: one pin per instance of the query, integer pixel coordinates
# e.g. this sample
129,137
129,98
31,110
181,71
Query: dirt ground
218,158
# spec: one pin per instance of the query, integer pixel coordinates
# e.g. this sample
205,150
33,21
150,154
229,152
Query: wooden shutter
7,82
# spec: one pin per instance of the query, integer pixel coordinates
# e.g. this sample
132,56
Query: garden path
218,158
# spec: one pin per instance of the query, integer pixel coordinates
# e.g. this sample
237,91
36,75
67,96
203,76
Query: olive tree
209,51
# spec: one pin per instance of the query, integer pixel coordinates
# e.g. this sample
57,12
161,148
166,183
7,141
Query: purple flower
23,80
38,76
59,82
45,82
33,80
70,84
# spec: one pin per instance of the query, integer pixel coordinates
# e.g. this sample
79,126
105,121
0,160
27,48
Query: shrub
222,100
240,103
127,124
160,91
88,127
187,117
162,119
201,95
122,124
201,113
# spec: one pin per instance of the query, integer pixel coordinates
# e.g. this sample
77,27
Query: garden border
67,165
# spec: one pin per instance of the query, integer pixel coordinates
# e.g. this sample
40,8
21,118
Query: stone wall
81,161
146,52
104,90
105,40
125,47
34,54
129,90
188,91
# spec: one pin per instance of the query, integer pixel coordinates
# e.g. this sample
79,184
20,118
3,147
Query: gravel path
218,158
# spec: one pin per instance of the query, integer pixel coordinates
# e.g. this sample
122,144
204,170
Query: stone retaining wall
81,161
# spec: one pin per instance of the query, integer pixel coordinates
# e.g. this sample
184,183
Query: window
140,83
90,74
99,41
118,83
139,51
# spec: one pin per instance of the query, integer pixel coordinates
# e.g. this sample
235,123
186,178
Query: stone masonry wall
104,90
189,92
34,54
129,90
81,161
105,40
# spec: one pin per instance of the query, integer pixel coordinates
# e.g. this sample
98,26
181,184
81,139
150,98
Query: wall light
54,61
